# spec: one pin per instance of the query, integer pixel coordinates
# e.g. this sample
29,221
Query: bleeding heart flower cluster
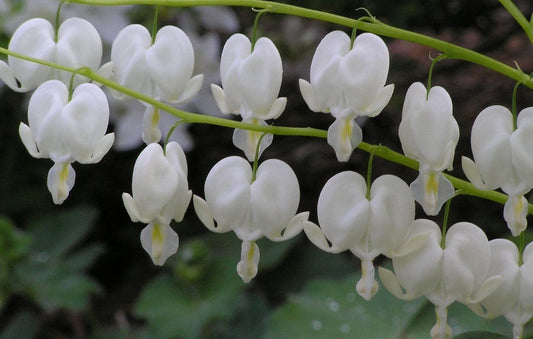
68,119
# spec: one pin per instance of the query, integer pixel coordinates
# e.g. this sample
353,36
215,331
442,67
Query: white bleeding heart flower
160,194
66,130
429,133
348,80
457,270
251,208
502,159
251,80
366,225
75,44
513,298
161,69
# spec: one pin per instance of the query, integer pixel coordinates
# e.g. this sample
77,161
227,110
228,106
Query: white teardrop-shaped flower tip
60,181
151,133
367,286
220,98
431,190
159,241
515,212
247,141
344,135
247,266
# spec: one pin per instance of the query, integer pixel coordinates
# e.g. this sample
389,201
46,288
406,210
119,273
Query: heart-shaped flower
514,297
160,195
252,208
367,225
76,44
66,130
160,68
502,159
348,80
251,78
429,133
457,270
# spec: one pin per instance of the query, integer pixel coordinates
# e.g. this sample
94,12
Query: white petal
154,182
419,271
392,211
392,284
431,190
367,286
85,120
60,181
276,109
160,242
227,191
34,38
466,261
131,208
151,133
275,195
27,139
78,45
309,95
471,171
515,213
101,149
491,146
170,78
315,235
344,135
247,267
343,209
191,89
220,99
295,226
247,141
521,145
204,214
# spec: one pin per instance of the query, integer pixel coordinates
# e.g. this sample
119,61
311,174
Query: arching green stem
369,175
514,109
527,26
169,134
256,24
377,27
445,222
430,73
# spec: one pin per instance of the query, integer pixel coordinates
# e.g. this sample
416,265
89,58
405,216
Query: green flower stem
519,17
378,150
452,51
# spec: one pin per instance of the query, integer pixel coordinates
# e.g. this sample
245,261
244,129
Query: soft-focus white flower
457,271
108,20
429,133
348,81
503,159
66,130
514,297
160,194
78,44
251,208
161,69
367,226
251,78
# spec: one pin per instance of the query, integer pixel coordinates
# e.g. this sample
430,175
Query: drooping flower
429,133
77,44
251,208
348,80
513,298
160,194
457,270
502,159
66,130
366,225
161,69
251,78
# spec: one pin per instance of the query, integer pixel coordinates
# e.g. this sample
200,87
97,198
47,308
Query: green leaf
480,334
333,309
57,233
178,307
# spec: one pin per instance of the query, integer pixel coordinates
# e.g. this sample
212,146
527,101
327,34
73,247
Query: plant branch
376,27
519,17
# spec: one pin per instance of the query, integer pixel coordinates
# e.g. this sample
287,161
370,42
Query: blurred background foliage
78,270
